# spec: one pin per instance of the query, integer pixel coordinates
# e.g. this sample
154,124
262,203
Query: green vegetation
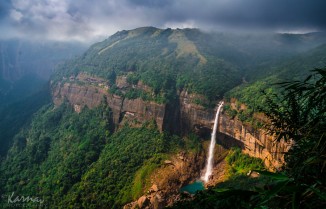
191,143
108,182
51,155
76,160
73,160
241,164
25,68
209,64
301,117
159,61
301,184
17,115
236,191
254,94
19,90
141,181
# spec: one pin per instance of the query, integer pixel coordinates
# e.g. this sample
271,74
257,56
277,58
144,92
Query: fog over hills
26,66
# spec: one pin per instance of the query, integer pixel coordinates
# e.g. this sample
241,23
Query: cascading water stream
210,159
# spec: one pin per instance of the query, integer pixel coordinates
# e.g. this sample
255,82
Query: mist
91,21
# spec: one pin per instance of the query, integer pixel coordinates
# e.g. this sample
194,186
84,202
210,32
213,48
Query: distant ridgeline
116,107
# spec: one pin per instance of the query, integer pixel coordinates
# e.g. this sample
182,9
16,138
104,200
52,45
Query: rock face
93,94
255,142
194,117
182,116
167,180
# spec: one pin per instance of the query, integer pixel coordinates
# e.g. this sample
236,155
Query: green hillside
163,59
296,68
206,63
83,160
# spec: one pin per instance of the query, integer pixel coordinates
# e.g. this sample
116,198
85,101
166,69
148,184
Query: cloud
86,20
252,14
16,15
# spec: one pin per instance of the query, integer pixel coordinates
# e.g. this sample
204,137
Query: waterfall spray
210,159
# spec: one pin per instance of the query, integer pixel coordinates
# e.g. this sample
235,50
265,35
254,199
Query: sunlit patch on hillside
185,46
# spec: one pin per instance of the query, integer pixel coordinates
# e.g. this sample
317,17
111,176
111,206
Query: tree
300,116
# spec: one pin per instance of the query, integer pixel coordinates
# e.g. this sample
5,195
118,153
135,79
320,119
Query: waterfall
210,159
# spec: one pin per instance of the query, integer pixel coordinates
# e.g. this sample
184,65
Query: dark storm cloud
274,14
86,20
252,14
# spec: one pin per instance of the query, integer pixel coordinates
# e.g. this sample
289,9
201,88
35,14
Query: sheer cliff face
255,142
122,109
194,118
92,91
181,117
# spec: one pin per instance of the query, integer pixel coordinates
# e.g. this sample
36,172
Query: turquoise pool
193,188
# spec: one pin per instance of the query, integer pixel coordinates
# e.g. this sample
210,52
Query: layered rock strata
181,117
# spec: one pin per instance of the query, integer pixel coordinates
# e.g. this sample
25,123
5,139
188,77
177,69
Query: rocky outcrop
81,94
167,180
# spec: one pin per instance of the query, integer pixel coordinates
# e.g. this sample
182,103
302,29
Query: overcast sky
89,20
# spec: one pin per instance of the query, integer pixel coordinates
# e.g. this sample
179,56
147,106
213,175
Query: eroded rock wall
91,96
255,142
193,117
181,117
